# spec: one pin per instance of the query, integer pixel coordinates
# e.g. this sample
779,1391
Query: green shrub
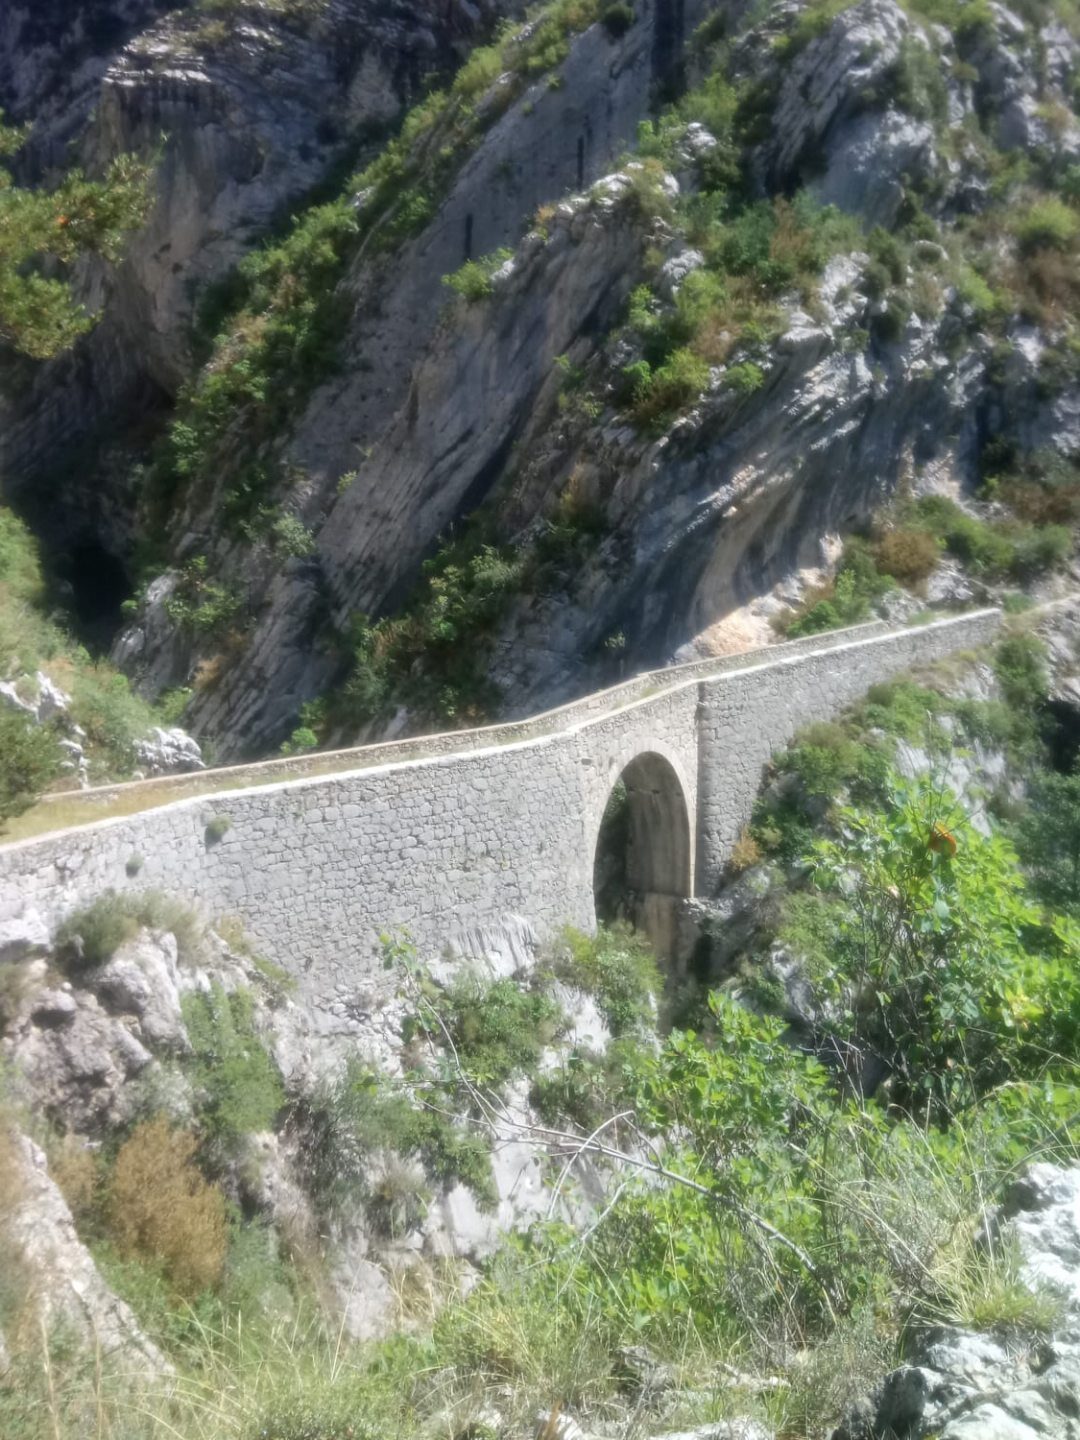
826,759
617,19
984,550
499,1030
364,1115
216,829
29,761
848,600
302,739
1037,549
1047,224
292,537
1048,839
474,280
92,935
901,707
238,1086
432,657
201,605
746,378
916,82
617,967
1020,666
928,896
670,388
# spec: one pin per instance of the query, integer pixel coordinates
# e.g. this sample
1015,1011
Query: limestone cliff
821,384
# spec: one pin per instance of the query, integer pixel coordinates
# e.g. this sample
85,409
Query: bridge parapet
458,846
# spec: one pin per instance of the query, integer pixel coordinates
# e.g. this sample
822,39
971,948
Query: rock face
963,1386
437,409
254,107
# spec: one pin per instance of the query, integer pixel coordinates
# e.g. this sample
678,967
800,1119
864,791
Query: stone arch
643,850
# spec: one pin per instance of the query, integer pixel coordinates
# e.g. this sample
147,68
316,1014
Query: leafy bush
499,1030
362,1116
29,761
617,967
474,280
1020,666
238,1086
671,387
1038,549
160,1209
432,656
92,935
617,19
1048,839
981,548
292,537
849,599
746,378
201,605
216,829
1047,224
943,971
826,759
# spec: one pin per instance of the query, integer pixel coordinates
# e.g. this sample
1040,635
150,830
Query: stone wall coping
533,732
458,741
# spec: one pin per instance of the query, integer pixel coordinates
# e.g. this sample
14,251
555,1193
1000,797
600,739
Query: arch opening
641,863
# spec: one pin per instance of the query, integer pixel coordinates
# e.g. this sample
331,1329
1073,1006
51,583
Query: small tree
29,760
944,968
42,233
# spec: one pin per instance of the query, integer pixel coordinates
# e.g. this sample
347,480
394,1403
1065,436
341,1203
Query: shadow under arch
642,860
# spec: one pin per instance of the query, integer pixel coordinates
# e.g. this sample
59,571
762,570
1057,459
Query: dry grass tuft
160,1207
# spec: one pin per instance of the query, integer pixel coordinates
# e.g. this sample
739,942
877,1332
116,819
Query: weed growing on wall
90,936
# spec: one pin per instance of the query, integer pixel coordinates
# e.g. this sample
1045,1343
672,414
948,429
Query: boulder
142,980
168,752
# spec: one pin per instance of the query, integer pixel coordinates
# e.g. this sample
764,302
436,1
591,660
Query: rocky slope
963,1386
830,380
860,383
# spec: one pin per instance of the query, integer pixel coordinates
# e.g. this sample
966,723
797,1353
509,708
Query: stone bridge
475,839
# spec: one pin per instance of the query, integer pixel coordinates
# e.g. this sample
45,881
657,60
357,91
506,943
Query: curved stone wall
452,845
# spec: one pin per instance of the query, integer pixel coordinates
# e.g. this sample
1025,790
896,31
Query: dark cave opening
1061,732
96,585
